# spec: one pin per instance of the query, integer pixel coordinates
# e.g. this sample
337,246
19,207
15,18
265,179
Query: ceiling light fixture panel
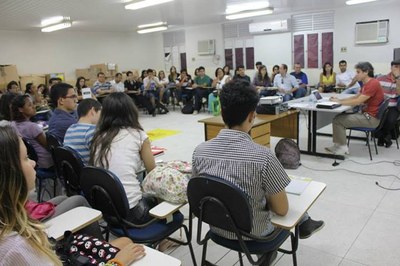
145,3
58,26
249,14
154,29
152,25
53,20
356,2
246,6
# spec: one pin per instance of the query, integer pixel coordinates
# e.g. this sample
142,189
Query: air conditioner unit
269,27
372,31
206,47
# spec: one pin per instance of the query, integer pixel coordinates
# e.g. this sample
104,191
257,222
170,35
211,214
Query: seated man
202,84
233,156
152,88
371,95
79,136
302,80
64,98
101,86
117,84
241,74
346,79
287,84
391,88
133,89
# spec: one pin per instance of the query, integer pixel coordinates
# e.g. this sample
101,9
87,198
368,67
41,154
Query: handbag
40,211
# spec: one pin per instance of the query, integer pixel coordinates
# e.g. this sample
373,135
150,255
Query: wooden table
283,125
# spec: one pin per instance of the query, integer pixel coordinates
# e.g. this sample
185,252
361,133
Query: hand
334,99
130,253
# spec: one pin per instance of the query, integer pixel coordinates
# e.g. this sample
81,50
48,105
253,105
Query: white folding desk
72,220
154,257
316,121
298,205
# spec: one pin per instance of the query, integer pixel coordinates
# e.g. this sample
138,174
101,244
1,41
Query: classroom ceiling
110,15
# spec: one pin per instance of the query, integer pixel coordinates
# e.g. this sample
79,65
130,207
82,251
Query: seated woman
121,146
262,81
22,110
164,90
327,79
33,92
80,84
227,70
275,71
23,240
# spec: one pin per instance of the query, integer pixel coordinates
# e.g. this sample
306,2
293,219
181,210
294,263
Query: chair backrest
104,192
52,144
30,150
70,166
213,200
382,113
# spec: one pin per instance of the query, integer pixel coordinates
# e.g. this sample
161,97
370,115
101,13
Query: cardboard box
35,79
107,68
8,73
55,75
83,72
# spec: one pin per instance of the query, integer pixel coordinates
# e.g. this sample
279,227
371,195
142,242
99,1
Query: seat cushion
362,128
254,247
153,232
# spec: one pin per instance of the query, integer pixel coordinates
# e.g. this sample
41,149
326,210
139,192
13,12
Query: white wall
200,33
64,51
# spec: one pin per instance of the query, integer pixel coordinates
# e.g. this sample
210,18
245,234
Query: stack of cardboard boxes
91,73
7,73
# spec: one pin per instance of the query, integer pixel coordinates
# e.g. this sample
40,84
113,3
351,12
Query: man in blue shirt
302,80
64,98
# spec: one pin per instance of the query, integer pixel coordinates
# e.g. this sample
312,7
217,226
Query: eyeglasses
74,96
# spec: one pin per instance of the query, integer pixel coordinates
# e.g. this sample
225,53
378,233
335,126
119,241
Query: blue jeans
300,92
352,90
287,97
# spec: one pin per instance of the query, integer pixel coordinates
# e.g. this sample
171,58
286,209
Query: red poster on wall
327,47
229,58
239,57
312,47
250,57
298,46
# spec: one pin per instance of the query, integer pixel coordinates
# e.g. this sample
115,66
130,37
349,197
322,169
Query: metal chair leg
203,256
369,148
348,138
240,259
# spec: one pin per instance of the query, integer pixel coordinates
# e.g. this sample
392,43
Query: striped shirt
233,156
388,84
78,137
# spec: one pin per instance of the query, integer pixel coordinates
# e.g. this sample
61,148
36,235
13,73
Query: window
174,50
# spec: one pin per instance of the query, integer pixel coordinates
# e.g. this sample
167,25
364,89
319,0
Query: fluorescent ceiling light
240,15
355,2
59,26
253,5
53,20
152,25
145,3
148,30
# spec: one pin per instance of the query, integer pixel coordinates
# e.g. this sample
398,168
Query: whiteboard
273,49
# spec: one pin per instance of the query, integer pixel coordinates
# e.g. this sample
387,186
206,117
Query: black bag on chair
188,108
288,153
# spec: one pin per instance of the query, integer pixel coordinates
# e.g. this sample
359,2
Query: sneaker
338,149
180,104
309,227
195,112
203,100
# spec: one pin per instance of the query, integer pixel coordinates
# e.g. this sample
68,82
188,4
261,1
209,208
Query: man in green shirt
202,86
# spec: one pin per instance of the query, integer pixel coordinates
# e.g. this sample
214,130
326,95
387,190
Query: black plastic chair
52,144
104,192
70,166
222,204
41,173
370,131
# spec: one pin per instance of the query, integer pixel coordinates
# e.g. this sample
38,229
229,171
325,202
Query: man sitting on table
371,96
301,79
101,86
391,88
287,84
346,79
233,156
202,84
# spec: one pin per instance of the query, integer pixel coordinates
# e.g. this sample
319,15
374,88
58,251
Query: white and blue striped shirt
79,137
233,156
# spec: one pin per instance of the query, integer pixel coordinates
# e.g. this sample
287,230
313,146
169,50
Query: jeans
300,92
353,90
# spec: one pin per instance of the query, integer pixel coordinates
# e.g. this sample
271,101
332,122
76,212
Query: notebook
328,105
297,185
157,150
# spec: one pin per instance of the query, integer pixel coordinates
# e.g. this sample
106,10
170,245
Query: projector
271,100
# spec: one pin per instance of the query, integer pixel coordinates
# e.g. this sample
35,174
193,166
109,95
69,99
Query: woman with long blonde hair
23,240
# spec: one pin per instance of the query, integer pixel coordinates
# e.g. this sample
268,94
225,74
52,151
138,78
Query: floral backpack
168,181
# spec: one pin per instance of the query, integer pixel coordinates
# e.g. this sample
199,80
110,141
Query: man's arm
278,203
352,101
352,83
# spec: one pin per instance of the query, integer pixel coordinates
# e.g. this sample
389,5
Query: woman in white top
23,240
164,91
120,145
220,79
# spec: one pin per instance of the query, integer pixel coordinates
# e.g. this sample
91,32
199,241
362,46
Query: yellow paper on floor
159,133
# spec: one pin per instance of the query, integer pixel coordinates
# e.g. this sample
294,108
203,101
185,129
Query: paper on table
297,185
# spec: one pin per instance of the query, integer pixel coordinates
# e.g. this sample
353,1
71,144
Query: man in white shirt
347,79
117,85
287,84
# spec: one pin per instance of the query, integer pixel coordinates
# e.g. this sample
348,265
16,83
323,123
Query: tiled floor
362,220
